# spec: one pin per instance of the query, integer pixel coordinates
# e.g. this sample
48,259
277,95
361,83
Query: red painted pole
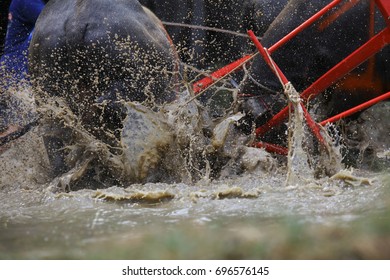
356,109
384,7
224,71
363,53
313,125
272,148
264,53
303,26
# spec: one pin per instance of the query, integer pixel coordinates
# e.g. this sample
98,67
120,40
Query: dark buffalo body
94,54
89,51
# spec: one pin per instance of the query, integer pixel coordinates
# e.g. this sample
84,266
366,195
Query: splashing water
303,163
201,173
298,160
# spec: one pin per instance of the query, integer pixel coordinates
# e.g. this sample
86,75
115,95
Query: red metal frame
284,81
224,71
373,46
366,51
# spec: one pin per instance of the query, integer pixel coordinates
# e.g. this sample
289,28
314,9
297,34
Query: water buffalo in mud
93,55
93,51
88,56
208,48
311,54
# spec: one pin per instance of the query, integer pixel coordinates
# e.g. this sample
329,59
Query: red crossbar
356,109
303,26
272,148
204,83
384,7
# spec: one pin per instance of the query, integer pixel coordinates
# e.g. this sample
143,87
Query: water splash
298,167
305,162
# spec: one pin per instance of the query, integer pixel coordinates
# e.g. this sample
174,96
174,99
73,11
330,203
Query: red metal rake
367,50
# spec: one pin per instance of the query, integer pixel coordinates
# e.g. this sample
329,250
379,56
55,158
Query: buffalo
95,55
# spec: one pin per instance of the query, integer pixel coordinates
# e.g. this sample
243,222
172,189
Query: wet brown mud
250,214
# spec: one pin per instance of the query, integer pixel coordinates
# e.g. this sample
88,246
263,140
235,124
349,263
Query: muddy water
218,219
251,215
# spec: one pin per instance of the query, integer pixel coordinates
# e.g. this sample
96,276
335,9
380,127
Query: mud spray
304,162
172,167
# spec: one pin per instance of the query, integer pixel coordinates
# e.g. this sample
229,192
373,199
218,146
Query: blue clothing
21,21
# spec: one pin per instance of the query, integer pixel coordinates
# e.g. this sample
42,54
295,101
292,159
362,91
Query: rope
216,81
258,83
213,29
